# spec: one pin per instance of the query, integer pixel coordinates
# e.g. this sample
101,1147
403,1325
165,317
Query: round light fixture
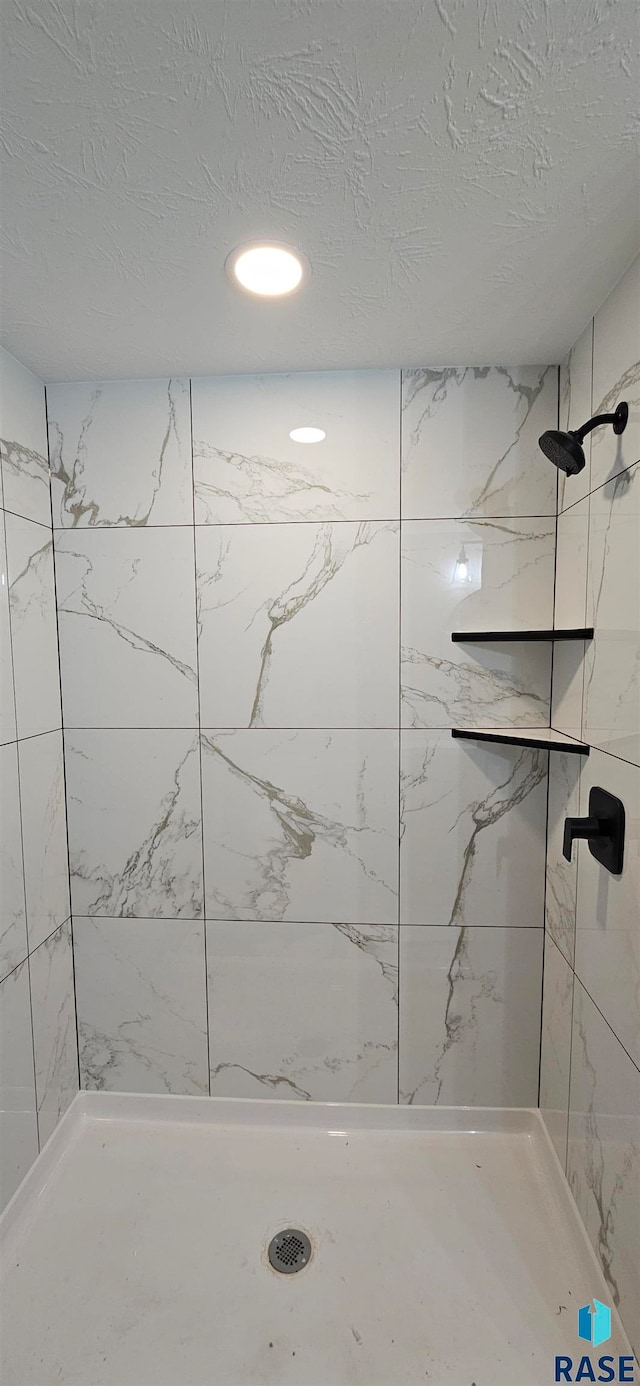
267,268
307,435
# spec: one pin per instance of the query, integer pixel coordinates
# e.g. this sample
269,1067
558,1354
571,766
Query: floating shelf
471,637
544,738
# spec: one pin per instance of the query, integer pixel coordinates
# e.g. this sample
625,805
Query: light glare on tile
269,270
307,435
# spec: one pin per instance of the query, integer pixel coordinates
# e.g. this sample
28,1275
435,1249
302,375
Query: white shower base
447,1250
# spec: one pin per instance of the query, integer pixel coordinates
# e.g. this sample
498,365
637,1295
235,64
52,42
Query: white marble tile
7,700
575,409
23,442
120,453
141,990
470,441
567,687
135,840
298,625
473,823
616,376
13,918
560,898
33,626
44,835
18,1121
482,575
603,1160
301,825
571,567
330,992
570,613
126,603
555,1050
246,468
611,717
470,1016
607,957
54,1028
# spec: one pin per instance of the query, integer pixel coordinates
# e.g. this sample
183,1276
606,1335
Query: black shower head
565,450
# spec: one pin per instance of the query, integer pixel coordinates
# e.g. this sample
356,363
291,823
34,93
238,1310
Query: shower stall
234,685
319,694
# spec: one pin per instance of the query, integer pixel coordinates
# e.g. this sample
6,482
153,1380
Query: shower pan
418,1245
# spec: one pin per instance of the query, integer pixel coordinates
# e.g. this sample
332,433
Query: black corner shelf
474,637
541,738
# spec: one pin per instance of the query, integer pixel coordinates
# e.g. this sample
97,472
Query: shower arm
618,419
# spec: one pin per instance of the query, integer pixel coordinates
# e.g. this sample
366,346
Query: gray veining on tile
18,1121
126,603
555,1052
13,919
575,408
612,662
7,699
135,823
298,625
560,898
507,583
33,626
25,481
470,441
301,825
54,1028
472,832
330,992
607,955
616,376
24,464
470,1016
247,469
44,835
120,453
603,1162
142,1005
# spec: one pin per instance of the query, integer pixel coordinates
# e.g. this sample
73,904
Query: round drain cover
290,1250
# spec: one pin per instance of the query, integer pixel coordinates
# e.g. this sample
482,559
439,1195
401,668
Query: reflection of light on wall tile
467,568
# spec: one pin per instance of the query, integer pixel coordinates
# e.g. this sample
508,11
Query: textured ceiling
461,173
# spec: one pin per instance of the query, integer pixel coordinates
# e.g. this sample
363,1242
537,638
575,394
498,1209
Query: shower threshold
445,1248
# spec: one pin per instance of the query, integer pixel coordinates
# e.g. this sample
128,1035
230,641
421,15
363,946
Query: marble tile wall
269,821
38,1049
590,1065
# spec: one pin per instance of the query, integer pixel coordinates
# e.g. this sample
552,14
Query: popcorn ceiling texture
463,176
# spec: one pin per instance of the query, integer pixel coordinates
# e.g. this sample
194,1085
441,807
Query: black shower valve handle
603,830
589,828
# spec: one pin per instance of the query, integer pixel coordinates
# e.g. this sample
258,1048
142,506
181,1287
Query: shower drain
289,1251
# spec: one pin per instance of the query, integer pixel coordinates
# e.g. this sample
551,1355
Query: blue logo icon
594,1324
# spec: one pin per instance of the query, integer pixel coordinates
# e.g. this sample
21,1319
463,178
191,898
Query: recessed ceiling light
307,435
267,268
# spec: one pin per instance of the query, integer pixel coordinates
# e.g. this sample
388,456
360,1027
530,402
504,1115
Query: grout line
546,825
399,904
197,634
75,999
20,824
544,925
19,740
329,520
276,923
33,1055
601,1013
64,749
17,514
566,1144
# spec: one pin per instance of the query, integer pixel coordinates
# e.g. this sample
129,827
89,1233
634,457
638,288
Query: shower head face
564,450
